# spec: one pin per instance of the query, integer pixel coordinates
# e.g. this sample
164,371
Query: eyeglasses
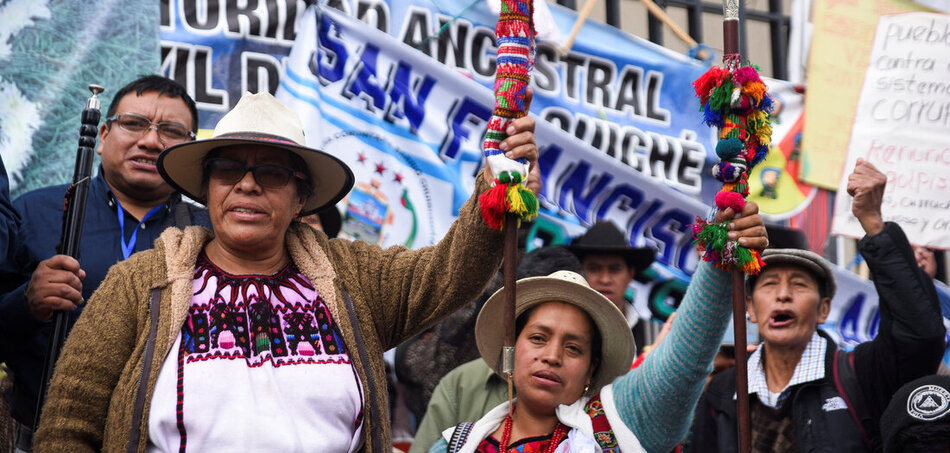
268,176
168,133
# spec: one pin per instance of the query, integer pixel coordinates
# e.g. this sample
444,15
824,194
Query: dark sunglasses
268,176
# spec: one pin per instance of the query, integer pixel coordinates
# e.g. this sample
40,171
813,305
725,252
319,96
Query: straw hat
617,346
605,237
258,119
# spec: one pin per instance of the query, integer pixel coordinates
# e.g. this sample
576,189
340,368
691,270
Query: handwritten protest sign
902,126
841,43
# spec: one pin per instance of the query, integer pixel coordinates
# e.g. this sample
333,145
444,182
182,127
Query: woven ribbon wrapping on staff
736,102
514,34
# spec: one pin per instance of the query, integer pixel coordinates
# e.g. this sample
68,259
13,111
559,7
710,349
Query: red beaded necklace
559,432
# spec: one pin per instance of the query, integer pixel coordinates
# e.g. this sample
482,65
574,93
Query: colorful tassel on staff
724,253
514,34
507,195
737,103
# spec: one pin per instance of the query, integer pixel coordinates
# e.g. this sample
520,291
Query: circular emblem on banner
928,402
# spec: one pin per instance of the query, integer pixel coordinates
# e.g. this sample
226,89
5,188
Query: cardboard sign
902,126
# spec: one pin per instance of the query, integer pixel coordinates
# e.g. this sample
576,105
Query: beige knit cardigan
396,293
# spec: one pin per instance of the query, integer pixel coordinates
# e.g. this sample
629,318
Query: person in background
575,388
928,262
9,229
9,278
470,390
610,264
292,322
422,361
128,206
805,393
328,221
918,417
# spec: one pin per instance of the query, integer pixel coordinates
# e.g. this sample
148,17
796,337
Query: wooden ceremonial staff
508,201
731,59
510,263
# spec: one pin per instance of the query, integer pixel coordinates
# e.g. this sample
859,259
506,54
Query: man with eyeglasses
128,206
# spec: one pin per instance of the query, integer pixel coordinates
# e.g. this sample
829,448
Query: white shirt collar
811,367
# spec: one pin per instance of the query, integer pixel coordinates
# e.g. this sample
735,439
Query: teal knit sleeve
656,400
439,447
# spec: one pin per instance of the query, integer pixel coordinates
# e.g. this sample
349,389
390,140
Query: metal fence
772,14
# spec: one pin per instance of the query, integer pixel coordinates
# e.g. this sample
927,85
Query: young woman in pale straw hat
261,334
575,389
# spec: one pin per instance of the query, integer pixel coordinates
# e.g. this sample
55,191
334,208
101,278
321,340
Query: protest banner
219,50
841,44
632,100
423,159
902,127
411,129
774,184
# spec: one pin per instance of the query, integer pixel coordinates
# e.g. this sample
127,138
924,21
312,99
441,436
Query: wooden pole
660,14
742,384
510,265
581,18
731,59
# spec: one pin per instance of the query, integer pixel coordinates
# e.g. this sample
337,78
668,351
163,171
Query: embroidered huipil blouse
258,366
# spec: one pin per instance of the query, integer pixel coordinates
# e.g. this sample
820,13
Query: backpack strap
182,215
376,434
459,436
847,385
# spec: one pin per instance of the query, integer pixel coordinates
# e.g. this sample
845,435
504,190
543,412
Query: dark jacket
9,226
909,345
23,339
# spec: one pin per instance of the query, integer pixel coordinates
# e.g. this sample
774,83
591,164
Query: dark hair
304,186
596,346
156,84
547,260
922,437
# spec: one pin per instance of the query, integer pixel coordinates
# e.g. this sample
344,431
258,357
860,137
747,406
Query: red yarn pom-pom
732,200
494,204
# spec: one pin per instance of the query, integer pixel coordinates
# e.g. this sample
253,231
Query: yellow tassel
765,134
757,119
515,203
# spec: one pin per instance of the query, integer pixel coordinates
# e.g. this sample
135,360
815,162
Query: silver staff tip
96,89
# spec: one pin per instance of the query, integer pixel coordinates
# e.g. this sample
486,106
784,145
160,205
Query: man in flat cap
805,393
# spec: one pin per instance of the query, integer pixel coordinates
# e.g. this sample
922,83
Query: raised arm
910,339
409,290
656,400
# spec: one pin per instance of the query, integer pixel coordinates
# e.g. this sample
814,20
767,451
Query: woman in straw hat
573,343
261,335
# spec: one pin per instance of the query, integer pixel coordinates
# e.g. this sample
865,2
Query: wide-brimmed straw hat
605,237
617,345
258,119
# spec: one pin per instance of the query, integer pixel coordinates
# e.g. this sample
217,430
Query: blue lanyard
128,248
